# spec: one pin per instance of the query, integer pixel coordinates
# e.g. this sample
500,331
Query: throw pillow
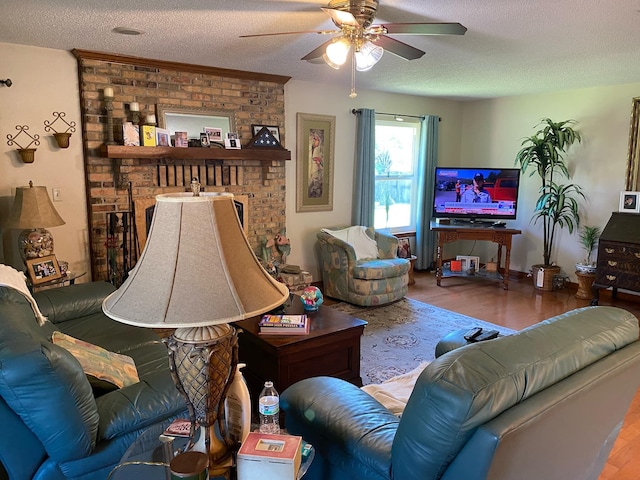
103,365
363,245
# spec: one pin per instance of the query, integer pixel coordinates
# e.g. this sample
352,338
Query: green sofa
544,403
56,425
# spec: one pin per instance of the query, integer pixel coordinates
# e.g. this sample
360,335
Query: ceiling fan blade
340,17
425,28
400,49
320,32
317,52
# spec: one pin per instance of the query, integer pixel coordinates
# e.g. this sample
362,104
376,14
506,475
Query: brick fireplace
120,189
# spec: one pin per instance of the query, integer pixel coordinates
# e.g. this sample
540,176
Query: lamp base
203,362
35,243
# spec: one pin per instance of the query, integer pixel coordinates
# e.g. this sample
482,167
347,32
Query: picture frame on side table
629,202
469,262
404,248
314,182
43,269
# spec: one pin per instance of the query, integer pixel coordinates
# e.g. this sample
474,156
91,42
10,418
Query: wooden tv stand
453,232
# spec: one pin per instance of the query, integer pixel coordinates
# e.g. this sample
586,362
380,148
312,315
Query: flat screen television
476,194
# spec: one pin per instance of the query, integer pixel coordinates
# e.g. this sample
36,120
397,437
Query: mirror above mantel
193,120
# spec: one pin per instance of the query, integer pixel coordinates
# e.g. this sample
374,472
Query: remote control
487,335
472,334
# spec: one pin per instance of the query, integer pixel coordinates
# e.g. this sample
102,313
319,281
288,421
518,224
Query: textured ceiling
511,47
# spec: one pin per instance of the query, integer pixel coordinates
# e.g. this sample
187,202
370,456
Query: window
396,164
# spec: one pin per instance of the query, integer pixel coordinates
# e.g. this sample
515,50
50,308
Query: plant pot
543,276
62,139
585,281
27,154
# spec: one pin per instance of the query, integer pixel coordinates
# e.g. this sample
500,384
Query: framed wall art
43,269
629,202
314,166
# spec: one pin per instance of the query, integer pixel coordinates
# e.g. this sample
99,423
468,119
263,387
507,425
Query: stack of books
284,325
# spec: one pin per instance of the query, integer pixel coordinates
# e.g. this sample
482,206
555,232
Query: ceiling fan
364,40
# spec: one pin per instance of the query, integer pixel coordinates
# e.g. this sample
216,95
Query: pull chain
353,93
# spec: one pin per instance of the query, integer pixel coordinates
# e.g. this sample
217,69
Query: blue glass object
311,298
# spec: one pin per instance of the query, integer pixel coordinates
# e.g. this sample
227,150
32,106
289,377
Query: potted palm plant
586,269
589,236
543,153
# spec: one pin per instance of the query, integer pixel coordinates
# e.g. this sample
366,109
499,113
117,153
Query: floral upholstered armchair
360,265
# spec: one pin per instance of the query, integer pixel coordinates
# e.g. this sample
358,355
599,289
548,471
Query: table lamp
197,273
33,211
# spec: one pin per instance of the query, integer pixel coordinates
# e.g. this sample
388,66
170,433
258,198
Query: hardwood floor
519,307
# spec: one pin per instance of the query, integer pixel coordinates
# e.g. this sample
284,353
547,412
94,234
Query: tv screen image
476,193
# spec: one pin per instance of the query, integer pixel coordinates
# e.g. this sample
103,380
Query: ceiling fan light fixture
336,53
368,56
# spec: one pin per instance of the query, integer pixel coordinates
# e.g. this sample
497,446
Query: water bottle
269,409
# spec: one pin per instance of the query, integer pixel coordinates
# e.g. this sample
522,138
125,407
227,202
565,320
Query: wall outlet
57,195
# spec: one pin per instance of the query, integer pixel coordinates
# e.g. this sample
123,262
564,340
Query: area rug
402,335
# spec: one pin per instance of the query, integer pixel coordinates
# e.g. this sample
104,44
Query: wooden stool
412,260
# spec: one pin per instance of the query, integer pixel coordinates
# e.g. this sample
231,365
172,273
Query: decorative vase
237,408
543,276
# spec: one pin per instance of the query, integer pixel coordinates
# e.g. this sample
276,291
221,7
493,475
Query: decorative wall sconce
6,82
61,137
107,93
27,154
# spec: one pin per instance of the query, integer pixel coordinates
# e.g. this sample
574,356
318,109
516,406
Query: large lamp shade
197,269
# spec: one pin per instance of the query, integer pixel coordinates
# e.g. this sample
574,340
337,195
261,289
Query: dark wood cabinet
331,348
619,255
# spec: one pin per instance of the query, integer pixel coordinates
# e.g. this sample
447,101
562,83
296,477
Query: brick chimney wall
117,185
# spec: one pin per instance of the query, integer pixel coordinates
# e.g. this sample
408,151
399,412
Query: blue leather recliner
55,426
545,403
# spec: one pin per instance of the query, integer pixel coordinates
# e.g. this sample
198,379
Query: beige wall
483,132
44,81
305,97
493,131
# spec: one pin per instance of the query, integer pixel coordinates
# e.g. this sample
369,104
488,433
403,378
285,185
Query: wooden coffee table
331,348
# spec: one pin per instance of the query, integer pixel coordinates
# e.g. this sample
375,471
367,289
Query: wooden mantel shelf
175,153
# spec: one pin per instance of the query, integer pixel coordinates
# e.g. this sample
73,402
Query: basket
543,276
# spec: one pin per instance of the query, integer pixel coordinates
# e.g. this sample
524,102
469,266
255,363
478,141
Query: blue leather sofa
545,403
55,426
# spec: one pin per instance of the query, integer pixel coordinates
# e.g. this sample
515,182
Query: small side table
412,260
69,278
